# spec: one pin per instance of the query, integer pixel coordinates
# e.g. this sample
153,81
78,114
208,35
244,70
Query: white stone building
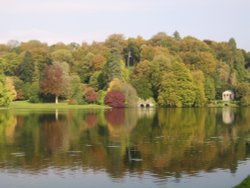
227,95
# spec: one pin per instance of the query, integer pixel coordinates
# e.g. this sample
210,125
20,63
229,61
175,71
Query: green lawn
220,104
27,105
244,184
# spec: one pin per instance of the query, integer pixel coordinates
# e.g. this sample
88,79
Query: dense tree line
173,71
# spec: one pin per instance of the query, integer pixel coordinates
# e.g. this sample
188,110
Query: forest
171,71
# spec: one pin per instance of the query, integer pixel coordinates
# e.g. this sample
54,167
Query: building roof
228,91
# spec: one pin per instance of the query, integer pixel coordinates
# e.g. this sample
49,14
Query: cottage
227,95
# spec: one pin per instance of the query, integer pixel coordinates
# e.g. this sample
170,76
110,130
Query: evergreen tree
27,68
232,43
114,68
176,35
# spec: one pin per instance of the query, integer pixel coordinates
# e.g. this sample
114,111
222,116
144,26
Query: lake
125,148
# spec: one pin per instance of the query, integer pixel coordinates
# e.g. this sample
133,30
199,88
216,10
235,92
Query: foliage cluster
175,71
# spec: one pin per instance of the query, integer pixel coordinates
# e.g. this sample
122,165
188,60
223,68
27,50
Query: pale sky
84,21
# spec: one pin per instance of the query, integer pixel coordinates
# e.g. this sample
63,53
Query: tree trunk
56,99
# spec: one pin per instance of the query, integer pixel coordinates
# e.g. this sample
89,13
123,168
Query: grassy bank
220,104
244,184
27,105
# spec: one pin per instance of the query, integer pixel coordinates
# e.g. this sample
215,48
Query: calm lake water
124,148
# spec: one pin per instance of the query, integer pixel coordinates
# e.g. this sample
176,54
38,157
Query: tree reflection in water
164,141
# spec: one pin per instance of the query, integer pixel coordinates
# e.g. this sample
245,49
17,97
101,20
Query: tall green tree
27,68
199,86
132,53
209,88
76,90
158,67
177,35
232,43
114,68
176,87
10,63
141,81
239,66
84,67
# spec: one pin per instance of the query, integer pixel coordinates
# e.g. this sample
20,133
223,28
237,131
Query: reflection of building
227,95
227,115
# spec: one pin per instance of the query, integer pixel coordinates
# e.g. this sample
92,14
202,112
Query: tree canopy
176,71
56,80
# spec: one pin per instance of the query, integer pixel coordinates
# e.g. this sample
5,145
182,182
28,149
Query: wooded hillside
174,71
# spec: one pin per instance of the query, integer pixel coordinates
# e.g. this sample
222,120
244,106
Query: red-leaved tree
55,80
115,98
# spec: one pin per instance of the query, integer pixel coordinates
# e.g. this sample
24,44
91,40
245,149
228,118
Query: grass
51,106
244,184
220,104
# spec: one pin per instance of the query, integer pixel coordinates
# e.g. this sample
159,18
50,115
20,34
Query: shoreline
25,105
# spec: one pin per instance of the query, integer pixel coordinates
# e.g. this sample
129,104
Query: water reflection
54,131
166,142
228,115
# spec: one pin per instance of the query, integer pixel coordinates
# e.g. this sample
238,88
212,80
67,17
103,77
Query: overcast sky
87,20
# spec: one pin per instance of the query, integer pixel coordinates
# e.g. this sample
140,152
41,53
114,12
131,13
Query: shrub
72,101
115,99
131,97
